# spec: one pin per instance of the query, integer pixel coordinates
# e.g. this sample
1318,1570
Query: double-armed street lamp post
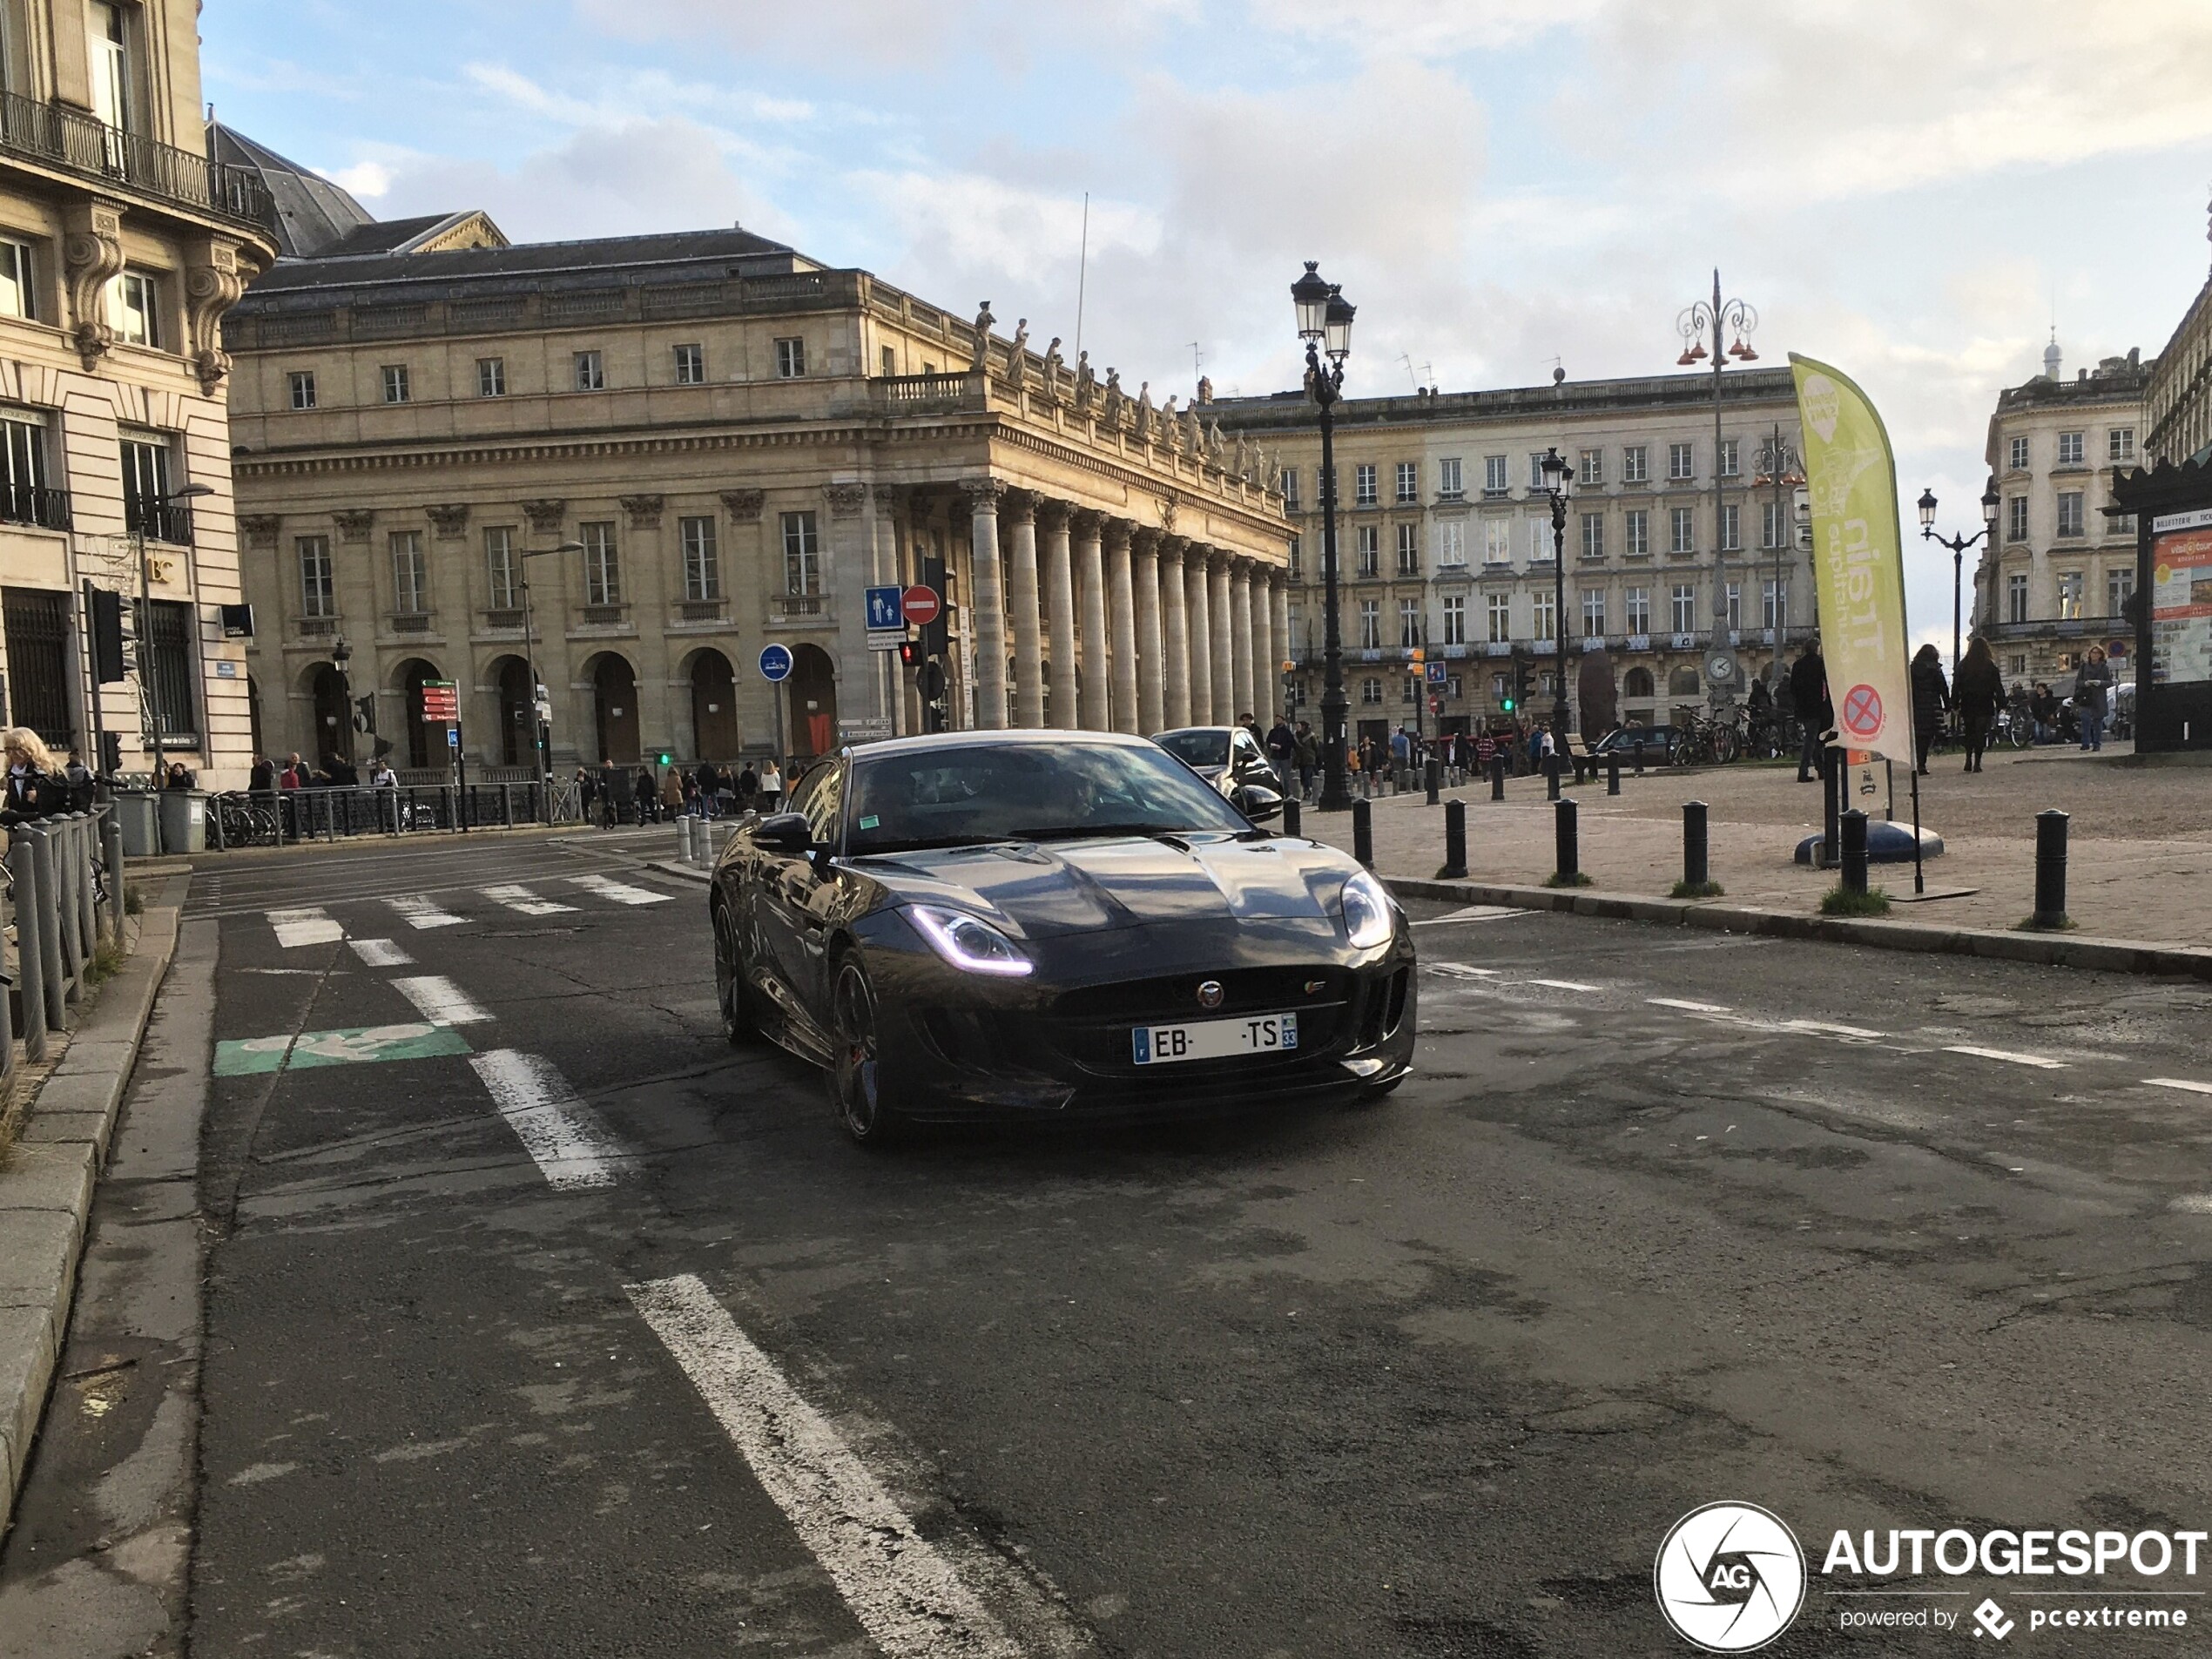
541,704
1324,323
1721,317
1958,544
1559,486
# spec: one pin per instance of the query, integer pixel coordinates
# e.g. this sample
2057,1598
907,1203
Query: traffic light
105,607
1520,692
665,758
364,712
909,652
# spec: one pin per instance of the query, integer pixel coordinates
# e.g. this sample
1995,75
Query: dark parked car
1653,743
1230,759
1039,924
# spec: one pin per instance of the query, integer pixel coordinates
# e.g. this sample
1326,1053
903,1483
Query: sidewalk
2140,865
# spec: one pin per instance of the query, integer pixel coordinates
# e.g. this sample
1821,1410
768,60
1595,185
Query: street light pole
1778,466
1721,316
1958,544
540,724
1559,484
1324,322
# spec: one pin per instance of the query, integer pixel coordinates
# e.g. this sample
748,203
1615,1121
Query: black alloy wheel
856,1080
733,992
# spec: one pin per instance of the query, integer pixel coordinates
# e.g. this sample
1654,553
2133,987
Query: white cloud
369,178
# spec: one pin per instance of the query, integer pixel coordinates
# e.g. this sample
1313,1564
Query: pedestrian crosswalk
315,925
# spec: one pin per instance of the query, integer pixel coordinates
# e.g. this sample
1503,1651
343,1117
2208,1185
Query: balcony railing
411,622
34,504
84,144
158,520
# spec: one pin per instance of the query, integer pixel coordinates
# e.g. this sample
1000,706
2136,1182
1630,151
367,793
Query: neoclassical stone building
740,442
121,245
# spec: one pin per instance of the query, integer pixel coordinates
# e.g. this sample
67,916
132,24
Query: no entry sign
921,606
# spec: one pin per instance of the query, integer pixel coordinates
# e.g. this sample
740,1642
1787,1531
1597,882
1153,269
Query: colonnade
1167,632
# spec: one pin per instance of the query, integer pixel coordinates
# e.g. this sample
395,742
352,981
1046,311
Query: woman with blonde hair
30,769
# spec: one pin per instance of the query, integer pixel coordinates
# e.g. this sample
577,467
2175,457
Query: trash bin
137,814
183,821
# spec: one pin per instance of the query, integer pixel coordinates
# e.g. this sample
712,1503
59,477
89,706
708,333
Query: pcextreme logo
1730,1577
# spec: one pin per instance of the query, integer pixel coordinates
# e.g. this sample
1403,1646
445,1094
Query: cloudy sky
1913,189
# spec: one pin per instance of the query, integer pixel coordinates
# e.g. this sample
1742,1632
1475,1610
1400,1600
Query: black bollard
1831,789
1551,776
1455,841
1433,775
1497,777
2050,869
1568,843
1854,856
1363,833
1696,868
1613,774
1292,816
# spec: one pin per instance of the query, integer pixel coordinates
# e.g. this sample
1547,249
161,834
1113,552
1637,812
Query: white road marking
1681,1002
910,1599
1565,984
440,1000
1472,913
570,1144
1461,970
2009,1059
380,953
312,927
1828,1028
421,912
2180,1082
619,892
516,897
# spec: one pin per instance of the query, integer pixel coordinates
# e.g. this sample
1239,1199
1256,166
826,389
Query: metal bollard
30,960
1613,774
1552,769
1567,842
1497,777
1696,868
1832,789
77,940
112,841
1432,771
47,917
2050,869
1293,816
1854,851
1363,832
88,901
1455,841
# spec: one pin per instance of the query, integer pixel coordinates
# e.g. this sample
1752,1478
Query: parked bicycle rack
62,900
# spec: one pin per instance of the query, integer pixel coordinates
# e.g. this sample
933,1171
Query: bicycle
243,821
1700,741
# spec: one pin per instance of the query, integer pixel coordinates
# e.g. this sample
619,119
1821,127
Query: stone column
1137,687
987,603
1175,639
1220,654
1197,600
1021,611
1267,671
1090,595
1279,630
1060,614
1240,637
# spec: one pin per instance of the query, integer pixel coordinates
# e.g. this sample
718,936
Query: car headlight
1367,912
969,942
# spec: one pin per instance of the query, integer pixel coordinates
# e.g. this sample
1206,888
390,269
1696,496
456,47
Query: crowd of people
1979,696
616,794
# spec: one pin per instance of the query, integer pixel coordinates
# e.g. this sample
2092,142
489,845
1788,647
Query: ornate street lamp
1778,468
1958,544
1558,485
1721,317
1324,323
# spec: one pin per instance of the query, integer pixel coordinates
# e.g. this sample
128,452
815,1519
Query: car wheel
733,992
858,1088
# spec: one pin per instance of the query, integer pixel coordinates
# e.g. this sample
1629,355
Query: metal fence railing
62,900
279,818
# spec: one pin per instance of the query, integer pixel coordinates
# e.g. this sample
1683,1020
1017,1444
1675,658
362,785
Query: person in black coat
1815,714
1931,699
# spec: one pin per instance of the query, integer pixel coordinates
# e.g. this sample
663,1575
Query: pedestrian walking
671,794
1308,758
1978,694
771,785
1931,699
2091,687
1817,715
1281,749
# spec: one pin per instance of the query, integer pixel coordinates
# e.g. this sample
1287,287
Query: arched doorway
811,728
423,745
331,732
714,707
614,702
1683,682
516,744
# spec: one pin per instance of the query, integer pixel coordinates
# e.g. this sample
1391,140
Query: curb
673,867
2050,950
46,1185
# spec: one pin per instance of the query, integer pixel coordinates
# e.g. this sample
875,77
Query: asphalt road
540,1323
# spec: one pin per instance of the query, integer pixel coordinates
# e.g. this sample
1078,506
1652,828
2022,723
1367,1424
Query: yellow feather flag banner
1859,561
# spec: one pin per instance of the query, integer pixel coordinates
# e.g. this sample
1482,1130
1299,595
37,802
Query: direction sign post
775,668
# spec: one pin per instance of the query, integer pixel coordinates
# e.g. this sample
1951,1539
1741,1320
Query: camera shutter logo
1730,1577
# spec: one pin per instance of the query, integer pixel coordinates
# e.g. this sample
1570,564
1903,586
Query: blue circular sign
775,662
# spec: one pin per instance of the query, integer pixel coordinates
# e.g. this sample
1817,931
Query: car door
786,884
815,901
1246,764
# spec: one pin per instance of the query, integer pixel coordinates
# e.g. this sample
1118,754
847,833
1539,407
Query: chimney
2134,356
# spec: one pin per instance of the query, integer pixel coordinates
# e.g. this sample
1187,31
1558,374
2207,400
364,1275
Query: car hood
1043,891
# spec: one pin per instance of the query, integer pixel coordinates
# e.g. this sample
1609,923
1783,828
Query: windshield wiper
1088,832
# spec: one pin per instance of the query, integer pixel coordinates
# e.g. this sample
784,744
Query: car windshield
1200,746
1005,792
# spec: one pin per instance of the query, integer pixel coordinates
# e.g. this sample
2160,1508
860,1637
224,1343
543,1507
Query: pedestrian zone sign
886,609
1438,671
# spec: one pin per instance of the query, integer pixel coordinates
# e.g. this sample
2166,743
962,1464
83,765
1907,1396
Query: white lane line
1684,1003
517,897
2009,1059
440,1000
2180,1082
570,1144
380,953
1461,970
1472,913
421,912
911,1601
1828,1028
312,927
619,892
1564,984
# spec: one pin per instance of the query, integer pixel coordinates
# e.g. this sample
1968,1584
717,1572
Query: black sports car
1041,923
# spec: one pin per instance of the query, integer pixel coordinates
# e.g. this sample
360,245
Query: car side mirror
1256,803
785,832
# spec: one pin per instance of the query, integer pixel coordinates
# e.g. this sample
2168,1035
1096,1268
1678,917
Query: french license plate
1156,1045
